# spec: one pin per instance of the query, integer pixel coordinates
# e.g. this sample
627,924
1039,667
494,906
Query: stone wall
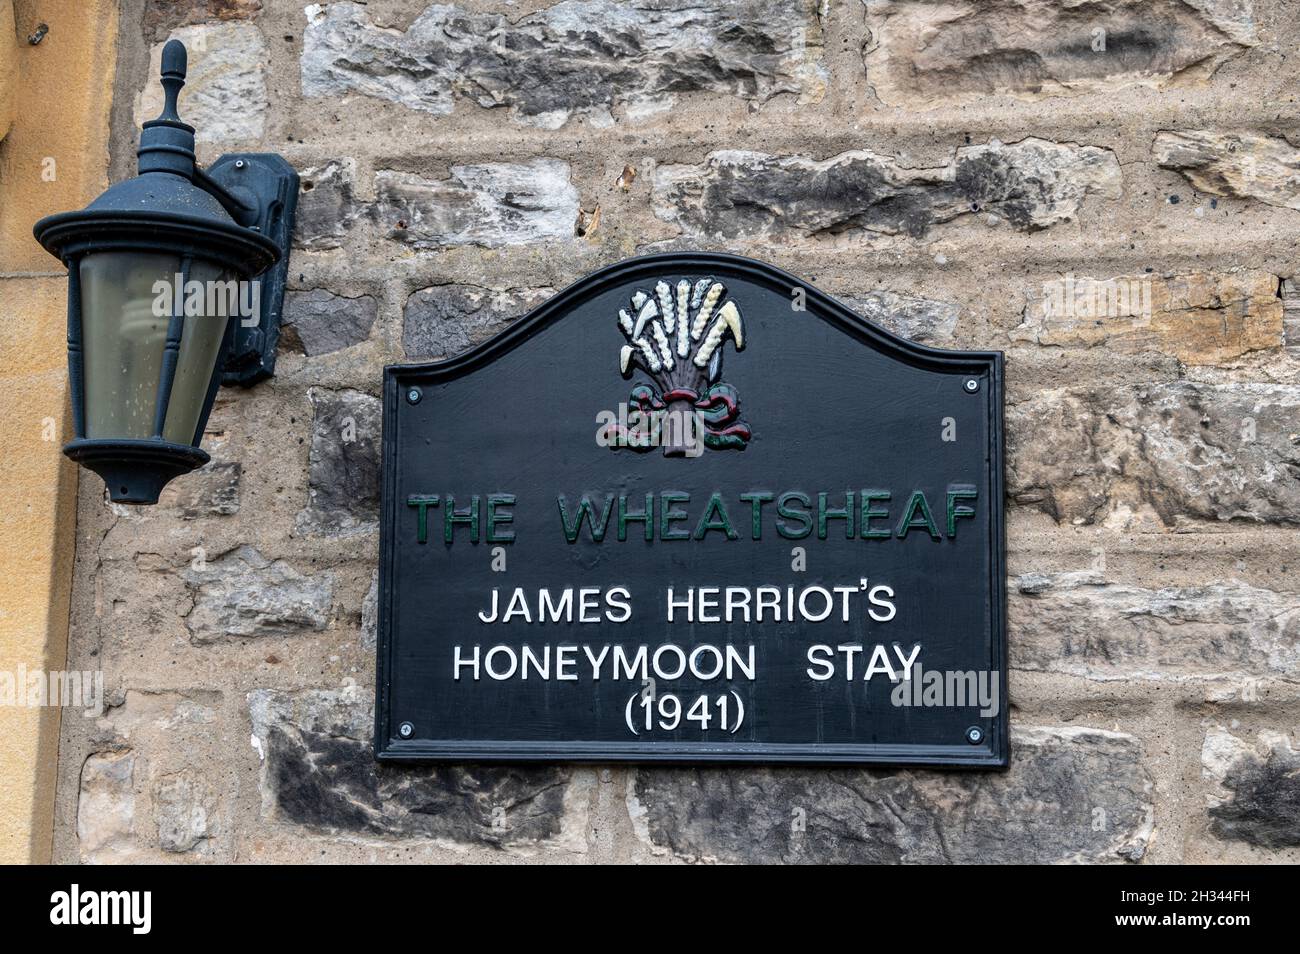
946,169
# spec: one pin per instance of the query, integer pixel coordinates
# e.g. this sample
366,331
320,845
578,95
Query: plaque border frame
993,752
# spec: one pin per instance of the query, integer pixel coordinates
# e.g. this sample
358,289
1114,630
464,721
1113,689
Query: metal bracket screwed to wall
267,185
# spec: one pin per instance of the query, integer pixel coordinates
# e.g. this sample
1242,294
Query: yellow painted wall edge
54,117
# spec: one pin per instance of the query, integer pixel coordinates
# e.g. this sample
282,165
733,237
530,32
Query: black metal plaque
691,509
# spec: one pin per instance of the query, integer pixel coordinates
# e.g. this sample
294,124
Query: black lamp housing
143,377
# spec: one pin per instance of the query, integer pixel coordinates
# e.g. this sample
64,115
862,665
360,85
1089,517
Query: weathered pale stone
920,319
1071,794
319,771
1084,626
932,54
224,98
184,809
1290,292
445,320
1220,751
327,204
1032,584
1186,450
161,16
370,614
148,711
1033,184
577,57
1197,318
1242,165
322,322
106,805
1255,796
243,593
494,204
211,491
343,471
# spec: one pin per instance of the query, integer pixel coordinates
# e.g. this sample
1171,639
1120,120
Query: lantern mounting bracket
265,187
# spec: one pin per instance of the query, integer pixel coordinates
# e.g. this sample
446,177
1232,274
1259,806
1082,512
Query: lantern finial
173,78
167,143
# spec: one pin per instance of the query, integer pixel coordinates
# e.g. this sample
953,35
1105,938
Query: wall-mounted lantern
175,284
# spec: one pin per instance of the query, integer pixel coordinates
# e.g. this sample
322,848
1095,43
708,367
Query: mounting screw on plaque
972,385
413,395
406,730
974,735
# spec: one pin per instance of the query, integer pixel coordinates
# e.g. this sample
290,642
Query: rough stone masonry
945,169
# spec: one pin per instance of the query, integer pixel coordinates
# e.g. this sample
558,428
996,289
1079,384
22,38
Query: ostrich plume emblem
676,336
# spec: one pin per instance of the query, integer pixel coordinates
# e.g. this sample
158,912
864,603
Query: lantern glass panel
205,328
126,304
